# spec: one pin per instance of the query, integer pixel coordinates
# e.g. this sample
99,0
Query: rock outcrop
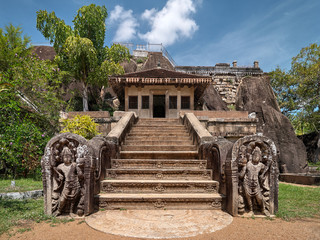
156,59
312,143
129,67
44,52
212,100
256,95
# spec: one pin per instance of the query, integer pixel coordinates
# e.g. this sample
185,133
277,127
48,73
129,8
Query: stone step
159,154
156,125
159,186
159,163
158,130
149,127
110,201
157,120
158,148
159,174
162,124
160,133
159,143
157,138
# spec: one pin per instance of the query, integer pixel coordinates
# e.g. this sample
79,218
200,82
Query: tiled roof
159,73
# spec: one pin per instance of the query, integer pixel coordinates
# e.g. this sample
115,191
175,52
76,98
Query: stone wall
226,79
232,129
231,125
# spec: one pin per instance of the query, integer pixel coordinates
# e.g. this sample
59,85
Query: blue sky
195,32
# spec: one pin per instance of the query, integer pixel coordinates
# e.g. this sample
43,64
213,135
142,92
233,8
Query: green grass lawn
298,202
22,185
14,212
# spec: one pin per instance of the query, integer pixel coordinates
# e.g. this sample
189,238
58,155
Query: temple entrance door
159,106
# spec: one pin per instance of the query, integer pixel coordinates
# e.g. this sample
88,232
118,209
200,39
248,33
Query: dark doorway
159,106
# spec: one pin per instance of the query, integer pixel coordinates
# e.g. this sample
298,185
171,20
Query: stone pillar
139,101
178,100
151,104
167,104
126,99
256,64
192,99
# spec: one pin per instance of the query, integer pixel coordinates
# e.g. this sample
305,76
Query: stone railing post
119,132
199,134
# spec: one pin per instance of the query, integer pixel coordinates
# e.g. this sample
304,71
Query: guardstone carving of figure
253,188
69,177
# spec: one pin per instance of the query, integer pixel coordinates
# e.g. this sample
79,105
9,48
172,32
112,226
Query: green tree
29,103
298,90
81,50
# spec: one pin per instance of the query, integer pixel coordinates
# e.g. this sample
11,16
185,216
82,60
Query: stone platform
159,224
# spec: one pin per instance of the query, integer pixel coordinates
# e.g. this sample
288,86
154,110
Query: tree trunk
85,98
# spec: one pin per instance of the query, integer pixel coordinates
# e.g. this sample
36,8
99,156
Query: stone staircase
158,169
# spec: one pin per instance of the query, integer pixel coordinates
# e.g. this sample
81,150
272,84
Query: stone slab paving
159,224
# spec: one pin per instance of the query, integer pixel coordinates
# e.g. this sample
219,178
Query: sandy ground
240,228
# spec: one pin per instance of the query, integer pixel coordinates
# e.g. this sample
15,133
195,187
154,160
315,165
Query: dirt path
240,228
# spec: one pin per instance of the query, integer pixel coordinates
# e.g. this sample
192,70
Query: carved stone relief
68,168
256,167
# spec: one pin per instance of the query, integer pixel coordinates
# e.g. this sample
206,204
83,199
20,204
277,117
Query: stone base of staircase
159,169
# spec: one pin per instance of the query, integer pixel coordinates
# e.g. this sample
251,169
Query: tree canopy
29,103
81,50
298,90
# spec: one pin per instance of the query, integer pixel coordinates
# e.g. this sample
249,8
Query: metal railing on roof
149,47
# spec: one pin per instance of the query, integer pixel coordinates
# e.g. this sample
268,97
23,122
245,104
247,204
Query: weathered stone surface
44,52
312,143
22,195
129,67
256,95
252,177
212,99
155,59
72,169
217,152
155,224
198,133
104,152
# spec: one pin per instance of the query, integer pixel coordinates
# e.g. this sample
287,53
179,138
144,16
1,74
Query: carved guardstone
253,182
68,171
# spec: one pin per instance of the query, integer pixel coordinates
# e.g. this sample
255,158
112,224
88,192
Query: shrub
21,147
81,125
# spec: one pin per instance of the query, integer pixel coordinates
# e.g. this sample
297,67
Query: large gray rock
312,143
256,95
212,100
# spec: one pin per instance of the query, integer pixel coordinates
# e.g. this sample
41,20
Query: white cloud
171,23
127,24
149,14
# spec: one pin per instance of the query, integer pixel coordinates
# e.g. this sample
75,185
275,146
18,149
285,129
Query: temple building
159,93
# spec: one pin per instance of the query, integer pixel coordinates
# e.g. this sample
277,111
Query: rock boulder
256,95
212,100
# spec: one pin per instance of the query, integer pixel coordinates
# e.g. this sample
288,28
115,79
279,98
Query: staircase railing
199,134
119,132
